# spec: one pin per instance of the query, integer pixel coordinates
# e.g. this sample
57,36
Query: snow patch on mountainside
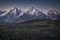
18,15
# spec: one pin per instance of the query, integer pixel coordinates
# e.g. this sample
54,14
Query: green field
43,30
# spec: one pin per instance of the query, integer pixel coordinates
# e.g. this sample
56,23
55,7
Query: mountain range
18,15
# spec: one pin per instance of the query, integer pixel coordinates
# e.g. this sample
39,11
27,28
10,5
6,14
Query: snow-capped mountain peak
33,11
14,10
54,12
18,15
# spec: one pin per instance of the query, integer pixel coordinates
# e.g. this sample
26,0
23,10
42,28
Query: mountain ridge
18,15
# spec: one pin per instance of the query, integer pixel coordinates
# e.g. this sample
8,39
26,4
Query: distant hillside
37,22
